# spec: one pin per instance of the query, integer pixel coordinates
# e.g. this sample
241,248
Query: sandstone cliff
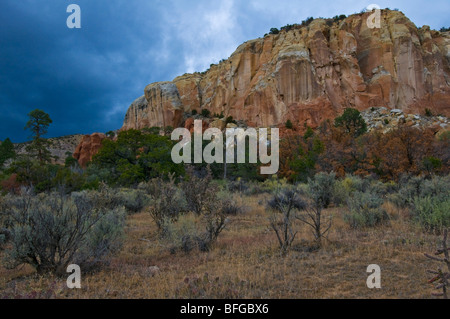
312,73
88,147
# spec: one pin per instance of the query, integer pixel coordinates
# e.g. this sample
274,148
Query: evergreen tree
352,122
38,125
6,151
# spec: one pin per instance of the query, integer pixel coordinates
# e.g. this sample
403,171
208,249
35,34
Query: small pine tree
289,125
309,133
38,124
206,113
352,122
274,31
230,120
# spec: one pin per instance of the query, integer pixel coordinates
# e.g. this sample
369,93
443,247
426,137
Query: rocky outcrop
311,73
384,120
88,147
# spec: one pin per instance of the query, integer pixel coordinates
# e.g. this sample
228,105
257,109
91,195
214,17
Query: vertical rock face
312,73
88,147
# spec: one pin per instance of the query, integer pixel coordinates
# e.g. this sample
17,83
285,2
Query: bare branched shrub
166,205
51,231
442,277
214,220
211,211
312,215
284,204
199,192
320,193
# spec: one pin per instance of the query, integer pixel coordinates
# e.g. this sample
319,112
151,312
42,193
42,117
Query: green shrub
136,156
419,187
438,187
219,116
229,120
273,184
432,213
307,21
288,27
339,18
365,211
345,188
309,133
352,122
206,113
253,188
321,188
431,164
134,201
51,231
274,31
179,235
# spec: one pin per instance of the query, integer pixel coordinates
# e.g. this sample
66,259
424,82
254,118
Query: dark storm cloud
83,78
86,78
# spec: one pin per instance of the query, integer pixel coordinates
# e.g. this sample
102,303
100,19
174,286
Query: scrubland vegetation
142,227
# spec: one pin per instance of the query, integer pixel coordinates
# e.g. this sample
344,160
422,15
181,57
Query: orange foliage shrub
404,150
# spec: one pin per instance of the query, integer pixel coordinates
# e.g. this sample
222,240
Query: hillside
60,146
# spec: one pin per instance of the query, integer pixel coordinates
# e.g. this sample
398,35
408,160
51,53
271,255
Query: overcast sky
86,78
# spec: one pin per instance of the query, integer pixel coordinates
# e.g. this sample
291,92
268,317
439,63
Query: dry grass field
246,263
